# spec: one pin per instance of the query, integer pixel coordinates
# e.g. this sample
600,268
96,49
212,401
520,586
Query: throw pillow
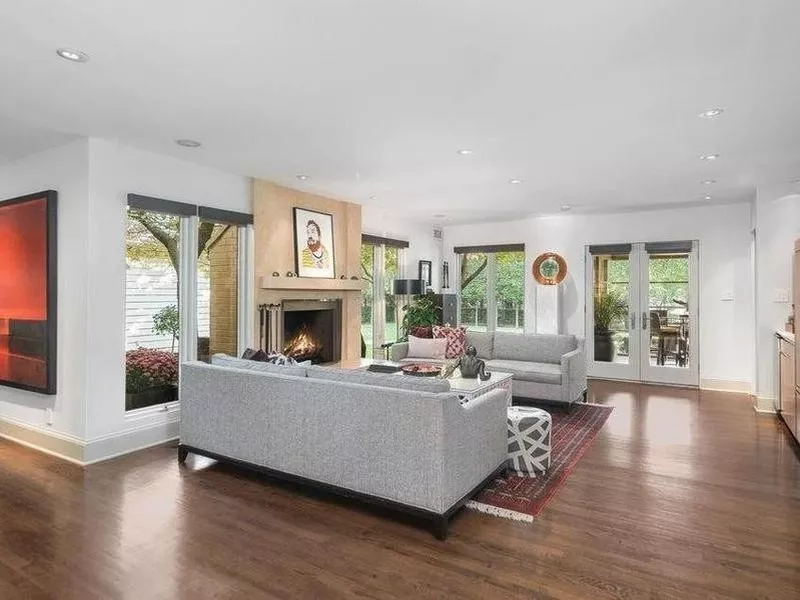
456,339
421,331
426,348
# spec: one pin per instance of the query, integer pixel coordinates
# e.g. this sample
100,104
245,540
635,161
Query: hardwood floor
683,495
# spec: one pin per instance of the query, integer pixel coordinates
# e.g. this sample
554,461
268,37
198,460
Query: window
382,261
186,297
492,286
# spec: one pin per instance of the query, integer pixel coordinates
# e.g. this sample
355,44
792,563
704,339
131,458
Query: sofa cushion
421,331
394,381
456,339
483,342
223,360
528,371
532,347
426,348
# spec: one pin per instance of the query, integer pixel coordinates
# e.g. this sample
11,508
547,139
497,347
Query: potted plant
422,311
608,308
151,377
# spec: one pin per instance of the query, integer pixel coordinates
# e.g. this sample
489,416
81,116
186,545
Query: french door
641,312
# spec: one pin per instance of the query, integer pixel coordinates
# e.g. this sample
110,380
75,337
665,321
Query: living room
179,227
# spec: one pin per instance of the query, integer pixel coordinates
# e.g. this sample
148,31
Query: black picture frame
299,245
425,272
50,352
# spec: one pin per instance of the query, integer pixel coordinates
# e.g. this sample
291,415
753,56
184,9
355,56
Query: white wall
422,245
64,169
777,218
726,334
115,171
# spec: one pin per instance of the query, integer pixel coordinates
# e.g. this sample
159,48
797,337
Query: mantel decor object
425,272
314,245
549,268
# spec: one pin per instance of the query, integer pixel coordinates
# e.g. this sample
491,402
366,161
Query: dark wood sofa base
439,522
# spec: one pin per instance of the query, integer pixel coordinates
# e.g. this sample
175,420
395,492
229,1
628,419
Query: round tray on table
422,370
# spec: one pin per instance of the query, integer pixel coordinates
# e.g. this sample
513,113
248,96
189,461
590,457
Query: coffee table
470,389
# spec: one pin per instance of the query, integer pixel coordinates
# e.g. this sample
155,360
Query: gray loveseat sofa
393,440
545,367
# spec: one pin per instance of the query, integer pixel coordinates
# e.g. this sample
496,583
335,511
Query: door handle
644,319
633,320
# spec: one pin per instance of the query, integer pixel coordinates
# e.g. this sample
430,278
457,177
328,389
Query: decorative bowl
422,370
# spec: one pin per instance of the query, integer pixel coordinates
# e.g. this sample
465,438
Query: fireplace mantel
270,282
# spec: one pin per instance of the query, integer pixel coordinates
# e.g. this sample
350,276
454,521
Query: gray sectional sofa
398,441
545,367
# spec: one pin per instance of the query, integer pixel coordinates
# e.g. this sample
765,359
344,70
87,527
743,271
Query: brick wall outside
224,274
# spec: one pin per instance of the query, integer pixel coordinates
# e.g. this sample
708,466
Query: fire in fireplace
311,330
303,345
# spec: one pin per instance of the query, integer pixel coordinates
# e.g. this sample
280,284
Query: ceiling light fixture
709,197
565,207
465,152
73,55
710,114
437,216
188,143
373,198
709,182
302,177
709,157
515,181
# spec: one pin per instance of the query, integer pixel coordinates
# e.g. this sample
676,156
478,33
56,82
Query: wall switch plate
49,416
780,295
726,296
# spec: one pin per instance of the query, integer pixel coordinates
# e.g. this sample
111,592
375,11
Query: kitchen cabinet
788,397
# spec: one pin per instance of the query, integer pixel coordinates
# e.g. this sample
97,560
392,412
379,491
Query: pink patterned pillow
456,339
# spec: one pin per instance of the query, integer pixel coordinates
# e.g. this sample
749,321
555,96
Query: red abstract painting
27,292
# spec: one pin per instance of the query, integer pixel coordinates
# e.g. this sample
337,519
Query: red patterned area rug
523,498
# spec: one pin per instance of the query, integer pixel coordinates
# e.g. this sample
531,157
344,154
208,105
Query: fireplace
305,329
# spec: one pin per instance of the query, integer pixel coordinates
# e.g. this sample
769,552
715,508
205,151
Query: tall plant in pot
422,311
608,308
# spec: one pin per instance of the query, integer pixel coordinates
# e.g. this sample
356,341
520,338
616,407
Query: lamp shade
412,287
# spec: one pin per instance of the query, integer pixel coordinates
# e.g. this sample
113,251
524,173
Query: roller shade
681,247
377,240
611,249
489,249
184,209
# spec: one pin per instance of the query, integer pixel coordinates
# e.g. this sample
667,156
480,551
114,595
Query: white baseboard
765,404
114,445
727,385
51,442
82,452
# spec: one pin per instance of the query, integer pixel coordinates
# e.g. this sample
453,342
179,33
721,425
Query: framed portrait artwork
28,296
425,267
313,244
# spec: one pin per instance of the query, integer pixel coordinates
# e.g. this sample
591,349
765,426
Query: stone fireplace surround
276,282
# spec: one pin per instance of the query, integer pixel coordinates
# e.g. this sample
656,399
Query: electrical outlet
781,295
49,416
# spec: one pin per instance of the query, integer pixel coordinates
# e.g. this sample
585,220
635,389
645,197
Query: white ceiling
592,104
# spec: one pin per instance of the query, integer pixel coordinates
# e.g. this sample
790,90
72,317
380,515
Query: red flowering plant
146,368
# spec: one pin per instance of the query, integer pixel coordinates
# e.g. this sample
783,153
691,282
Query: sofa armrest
398,351
573,371
475,442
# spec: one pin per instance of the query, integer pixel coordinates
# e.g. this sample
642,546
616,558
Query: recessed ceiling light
710,114
438,216
302,177
709,197
565,207
709,182
515,181
373,198
709,157
188,143
465,152
73,55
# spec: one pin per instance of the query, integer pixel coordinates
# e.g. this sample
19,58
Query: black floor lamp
407,288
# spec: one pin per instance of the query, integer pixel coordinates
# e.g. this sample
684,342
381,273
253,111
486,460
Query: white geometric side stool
529,432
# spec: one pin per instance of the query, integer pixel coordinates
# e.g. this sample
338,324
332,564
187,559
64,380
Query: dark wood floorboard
683,495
